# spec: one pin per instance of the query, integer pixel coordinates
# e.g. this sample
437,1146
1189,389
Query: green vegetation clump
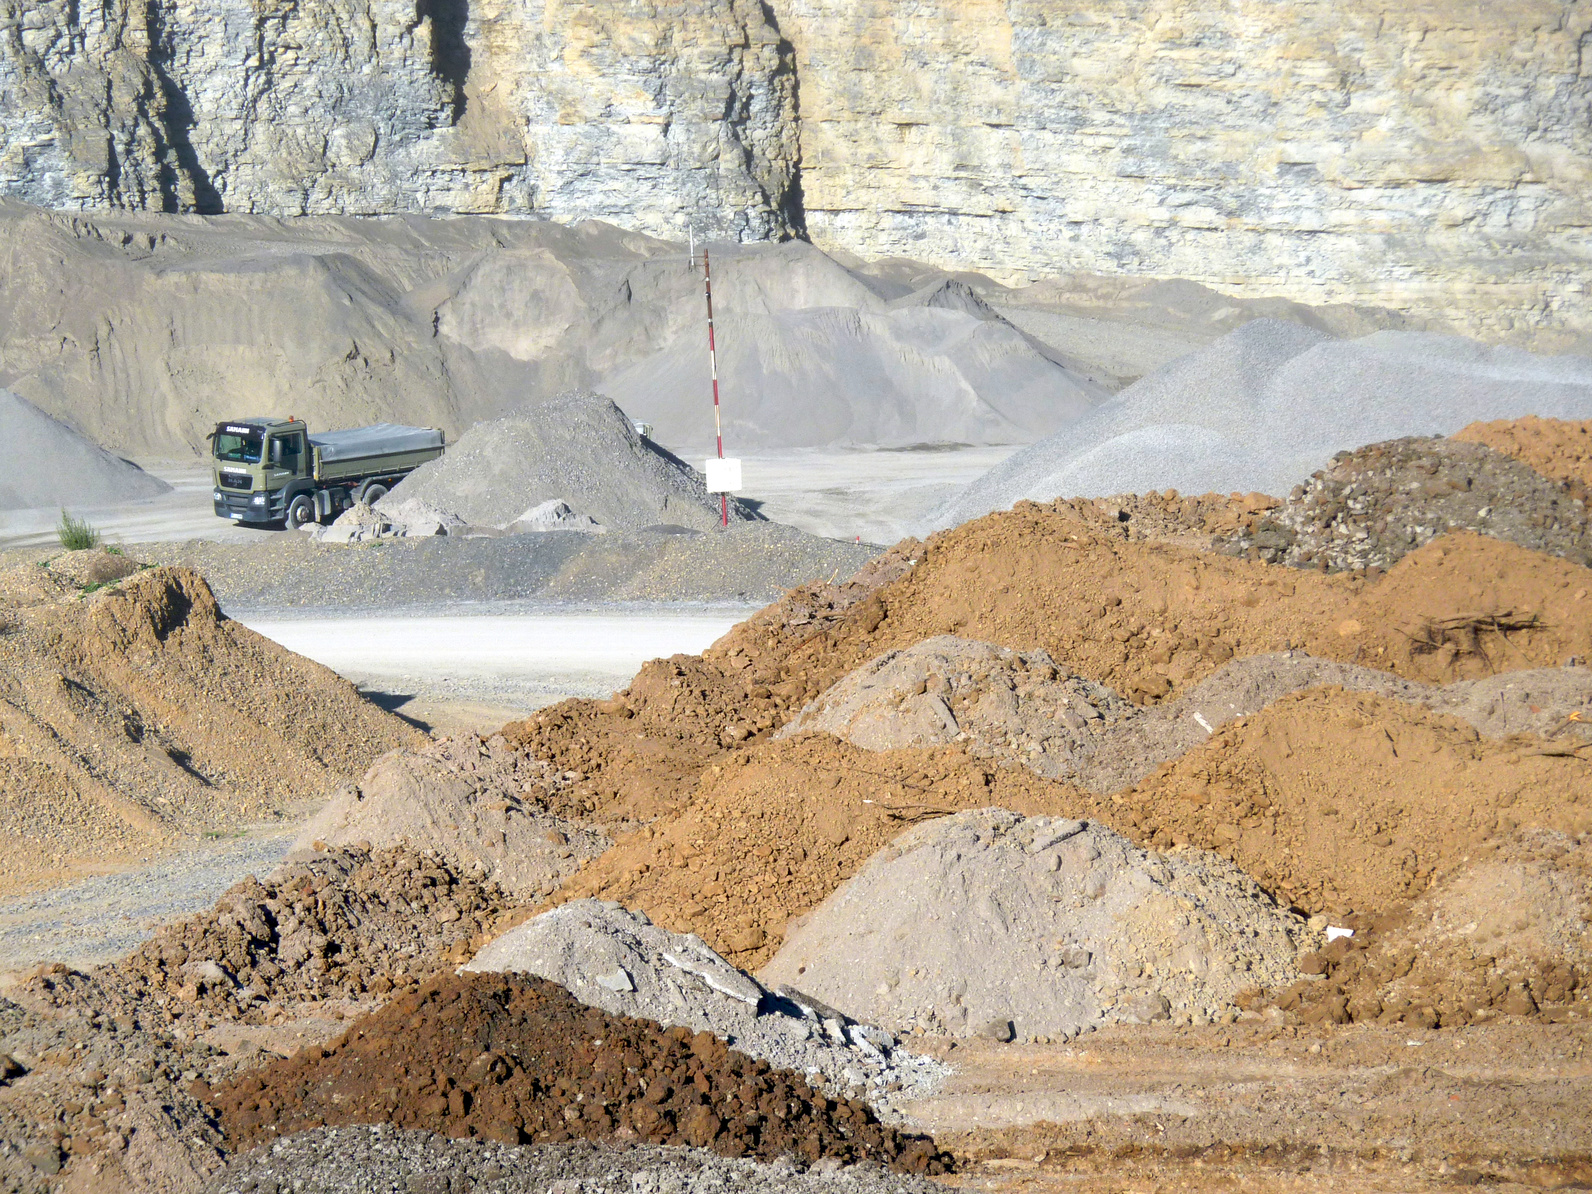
76,534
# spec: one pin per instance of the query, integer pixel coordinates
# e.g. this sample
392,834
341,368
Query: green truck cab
273,470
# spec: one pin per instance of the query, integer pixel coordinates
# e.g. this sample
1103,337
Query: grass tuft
76,534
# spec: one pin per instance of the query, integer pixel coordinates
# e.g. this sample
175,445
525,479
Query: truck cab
260,465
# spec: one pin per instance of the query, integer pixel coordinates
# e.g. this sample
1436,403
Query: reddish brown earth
512,1059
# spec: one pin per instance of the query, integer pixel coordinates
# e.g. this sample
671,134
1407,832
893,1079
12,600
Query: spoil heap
578,448
771,831
988,922
1344,802
621,962
1371,507
515,1059
1559,449
1506,935
141,715
473,802
349,924
1017,709
45,463
1011,706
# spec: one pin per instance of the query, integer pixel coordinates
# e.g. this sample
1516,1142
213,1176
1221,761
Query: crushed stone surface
989,923
485,808
379,1158
752,561
516,1059
1370,507
139,716
577,448
1260,408
43,463
619,961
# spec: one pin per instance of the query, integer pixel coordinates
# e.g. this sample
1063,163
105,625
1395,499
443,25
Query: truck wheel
300,512
374,494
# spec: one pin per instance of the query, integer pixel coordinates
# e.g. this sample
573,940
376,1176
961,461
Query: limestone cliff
1426,155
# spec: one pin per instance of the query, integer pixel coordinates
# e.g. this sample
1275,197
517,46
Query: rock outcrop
1427,157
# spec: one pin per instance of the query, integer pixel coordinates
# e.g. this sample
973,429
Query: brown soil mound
1346,802
1557,448
141,714
1509,934
1371,507
772,831
348,924
512,1058
477,803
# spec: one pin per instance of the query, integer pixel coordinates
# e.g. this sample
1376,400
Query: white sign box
724,476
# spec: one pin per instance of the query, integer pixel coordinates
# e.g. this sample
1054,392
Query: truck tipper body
273,470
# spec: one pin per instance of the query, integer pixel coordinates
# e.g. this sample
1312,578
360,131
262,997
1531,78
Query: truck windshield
241,445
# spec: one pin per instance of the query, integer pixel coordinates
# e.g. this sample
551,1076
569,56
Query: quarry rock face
1426,157
655,117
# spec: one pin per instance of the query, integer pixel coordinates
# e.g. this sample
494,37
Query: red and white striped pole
713,367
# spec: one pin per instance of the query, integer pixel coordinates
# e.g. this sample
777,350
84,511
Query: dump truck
269,470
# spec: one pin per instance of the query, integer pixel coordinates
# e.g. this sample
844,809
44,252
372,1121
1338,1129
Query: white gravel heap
619,961
989,923
44,463
579,449
1266,405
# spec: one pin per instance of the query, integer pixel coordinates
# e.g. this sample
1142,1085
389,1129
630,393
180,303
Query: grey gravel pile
1259,409
577,448
45,463
618,960
1034,928
751,563
1371,507
386,1160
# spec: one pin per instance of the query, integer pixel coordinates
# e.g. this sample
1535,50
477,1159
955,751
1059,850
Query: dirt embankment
512,1058
139,715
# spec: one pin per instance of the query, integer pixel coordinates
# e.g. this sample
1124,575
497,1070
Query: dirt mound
578,448
1371,507
517,1059
350,924
621,962
472,801
1149,619
1505,935
1344,802
1556,448
142,714
991,923
771,831
1008,705
1018,709
337,1160
45,463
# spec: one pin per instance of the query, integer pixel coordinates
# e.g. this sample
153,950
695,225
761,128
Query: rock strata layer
1424,157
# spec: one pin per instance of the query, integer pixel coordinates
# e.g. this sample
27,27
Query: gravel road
98,920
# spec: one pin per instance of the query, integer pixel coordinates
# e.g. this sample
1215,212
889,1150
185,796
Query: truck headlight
216,496
257,500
